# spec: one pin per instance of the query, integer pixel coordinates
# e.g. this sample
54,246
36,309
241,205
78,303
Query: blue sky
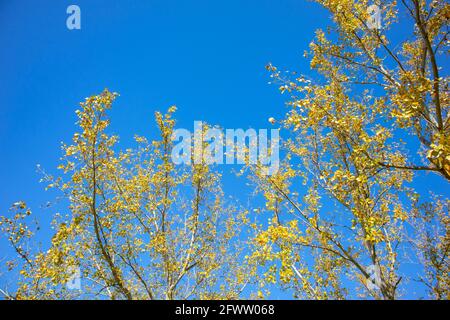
206,57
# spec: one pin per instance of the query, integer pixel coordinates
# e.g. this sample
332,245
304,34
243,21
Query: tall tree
137,226
350,142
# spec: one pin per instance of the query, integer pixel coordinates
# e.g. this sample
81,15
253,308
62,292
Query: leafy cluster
341,205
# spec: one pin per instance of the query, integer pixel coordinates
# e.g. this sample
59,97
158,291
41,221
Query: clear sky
206,57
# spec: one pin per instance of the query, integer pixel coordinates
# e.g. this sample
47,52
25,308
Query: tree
352,153
137,226
374,119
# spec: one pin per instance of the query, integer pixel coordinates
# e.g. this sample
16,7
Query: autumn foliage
140,227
